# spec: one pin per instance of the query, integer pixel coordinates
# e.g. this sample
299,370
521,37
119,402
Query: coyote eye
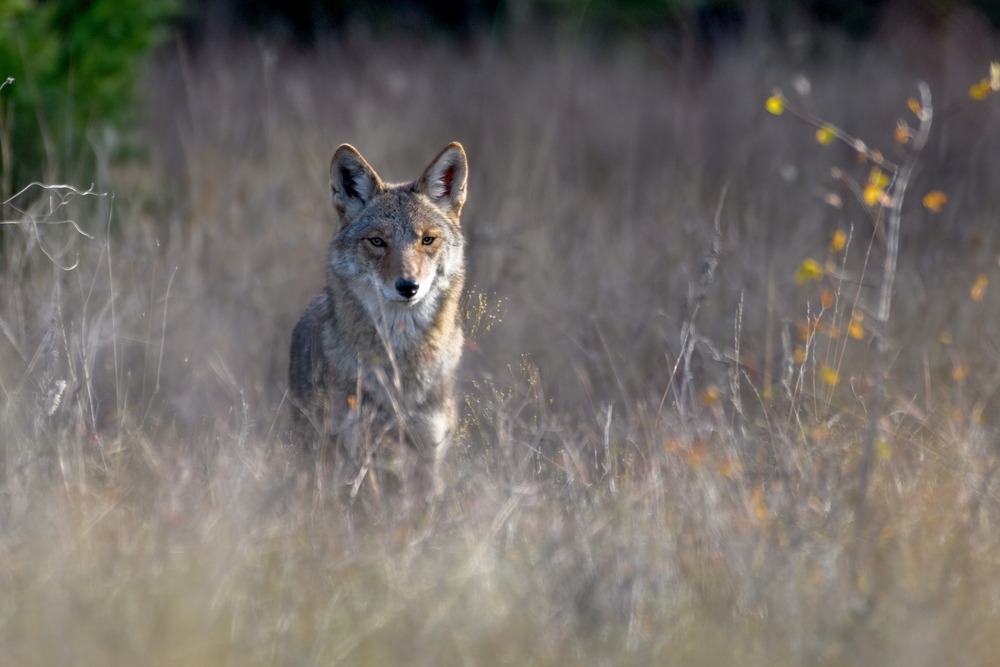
377,242
428,240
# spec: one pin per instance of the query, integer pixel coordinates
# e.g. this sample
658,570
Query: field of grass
602,506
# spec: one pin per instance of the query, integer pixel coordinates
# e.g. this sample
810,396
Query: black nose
407,288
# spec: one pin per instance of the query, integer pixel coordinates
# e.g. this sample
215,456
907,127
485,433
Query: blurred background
594,515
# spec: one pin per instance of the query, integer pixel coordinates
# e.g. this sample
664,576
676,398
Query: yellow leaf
775,103
824,135
800,354
878,178
826,298
980,90
934,200
914,105
830,375
838,241
945,338
856,331
808,270
884,450
979,288
959,372
862,582
995,76
872,194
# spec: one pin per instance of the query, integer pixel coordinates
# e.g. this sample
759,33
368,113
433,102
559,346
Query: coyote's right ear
352,182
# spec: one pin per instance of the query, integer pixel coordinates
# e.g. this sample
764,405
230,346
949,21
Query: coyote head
397,245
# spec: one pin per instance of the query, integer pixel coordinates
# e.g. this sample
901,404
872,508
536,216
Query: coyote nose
407,288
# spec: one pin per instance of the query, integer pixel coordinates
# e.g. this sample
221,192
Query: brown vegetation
150,511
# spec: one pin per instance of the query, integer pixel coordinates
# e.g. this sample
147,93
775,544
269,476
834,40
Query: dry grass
154,515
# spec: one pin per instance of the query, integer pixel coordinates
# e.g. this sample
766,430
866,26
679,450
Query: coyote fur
374,356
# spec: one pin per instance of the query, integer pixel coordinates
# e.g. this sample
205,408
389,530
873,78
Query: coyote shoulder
374,356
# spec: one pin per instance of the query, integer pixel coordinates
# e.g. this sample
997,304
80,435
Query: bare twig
734,376
608,467
696,296
885,298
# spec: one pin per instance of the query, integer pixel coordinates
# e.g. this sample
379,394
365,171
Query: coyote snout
374,356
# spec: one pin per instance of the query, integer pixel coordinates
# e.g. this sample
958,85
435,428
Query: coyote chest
379,347
400,360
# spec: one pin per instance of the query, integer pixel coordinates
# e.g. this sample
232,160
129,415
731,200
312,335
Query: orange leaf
728,467
902,133
757,500
934,200
710,395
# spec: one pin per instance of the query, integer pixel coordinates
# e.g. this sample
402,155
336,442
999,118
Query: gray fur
368,364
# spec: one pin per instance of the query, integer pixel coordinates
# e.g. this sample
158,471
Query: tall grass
155,513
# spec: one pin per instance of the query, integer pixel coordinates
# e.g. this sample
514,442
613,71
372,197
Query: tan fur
374,356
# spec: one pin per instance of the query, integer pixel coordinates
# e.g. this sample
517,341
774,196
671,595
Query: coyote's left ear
444,180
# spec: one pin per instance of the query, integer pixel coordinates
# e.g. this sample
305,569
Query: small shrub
76,64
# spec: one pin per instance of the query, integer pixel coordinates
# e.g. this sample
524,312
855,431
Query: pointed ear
444,180
352,182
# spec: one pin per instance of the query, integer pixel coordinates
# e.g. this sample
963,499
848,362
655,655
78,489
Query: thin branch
89,192
49,222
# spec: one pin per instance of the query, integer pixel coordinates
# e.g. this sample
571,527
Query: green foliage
76,64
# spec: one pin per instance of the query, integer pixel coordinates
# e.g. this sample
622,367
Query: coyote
374,356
